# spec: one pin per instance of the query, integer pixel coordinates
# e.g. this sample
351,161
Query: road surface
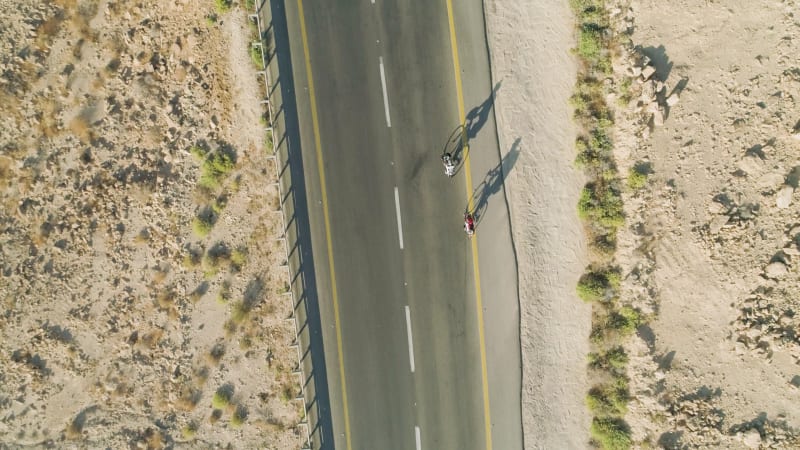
420,323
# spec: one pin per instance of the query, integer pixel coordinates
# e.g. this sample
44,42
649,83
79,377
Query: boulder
658,118
784,197
648,72
673,99
775,270
751,438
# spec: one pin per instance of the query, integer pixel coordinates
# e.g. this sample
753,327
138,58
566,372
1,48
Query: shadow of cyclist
493,181
478,116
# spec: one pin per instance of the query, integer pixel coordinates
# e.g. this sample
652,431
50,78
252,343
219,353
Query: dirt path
530,45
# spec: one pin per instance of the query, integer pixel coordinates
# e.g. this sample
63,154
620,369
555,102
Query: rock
775,270
648,72
658,118
636,71
770,180
673,99
791,251
784,197
751,438
717,223
751,165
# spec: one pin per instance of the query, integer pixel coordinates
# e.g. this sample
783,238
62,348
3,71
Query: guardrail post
283,237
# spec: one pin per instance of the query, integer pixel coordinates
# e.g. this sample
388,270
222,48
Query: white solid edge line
419,439
399,221
410,341
385,94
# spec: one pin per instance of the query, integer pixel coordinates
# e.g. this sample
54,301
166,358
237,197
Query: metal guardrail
281,211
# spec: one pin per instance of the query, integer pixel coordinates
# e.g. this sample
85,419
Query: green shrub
598,285
255,56
219,204
239,416
625,321
611,434
608,400
215,168
625,94
222,398
189,430
202,226
224,294
238,258
198,152
605,243
249,4
590,42
614,360
601,204
223,6
268,143
636,179
239,312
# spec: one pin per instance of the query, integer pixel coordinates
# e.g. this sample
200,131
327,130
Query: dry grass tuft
80,127
215,416
152,338
166,298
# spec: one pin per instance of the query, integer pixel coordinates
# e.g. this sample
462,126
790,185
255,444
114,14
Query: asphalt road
386,99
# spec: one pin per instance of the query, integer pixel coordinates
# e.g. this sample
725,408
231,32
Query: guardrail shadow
298,226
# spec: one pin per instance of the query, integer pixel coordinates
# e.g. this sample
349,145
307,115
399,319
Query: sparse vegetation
223,6
613,360
189,430
222,398
215,416
238,258
202,226
239,312
239,416
215,169
224,294
636,179
610,433
219,204
93,174
255,56
609,399
624,321
599,284
601,207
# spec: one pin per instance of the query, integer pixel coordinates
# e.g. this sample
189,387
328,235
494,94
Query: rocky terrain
707,110
141,280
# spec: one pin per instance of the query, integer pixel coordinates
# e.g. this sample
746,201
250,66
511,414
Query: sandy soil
530,44
119,322
711,250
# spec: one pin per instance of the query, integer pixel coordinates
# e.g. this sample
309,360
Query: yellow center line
474,241
318,145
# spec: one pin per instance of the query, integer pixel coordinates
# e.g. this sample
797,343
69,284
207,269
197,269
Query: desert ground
711,246
141,280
